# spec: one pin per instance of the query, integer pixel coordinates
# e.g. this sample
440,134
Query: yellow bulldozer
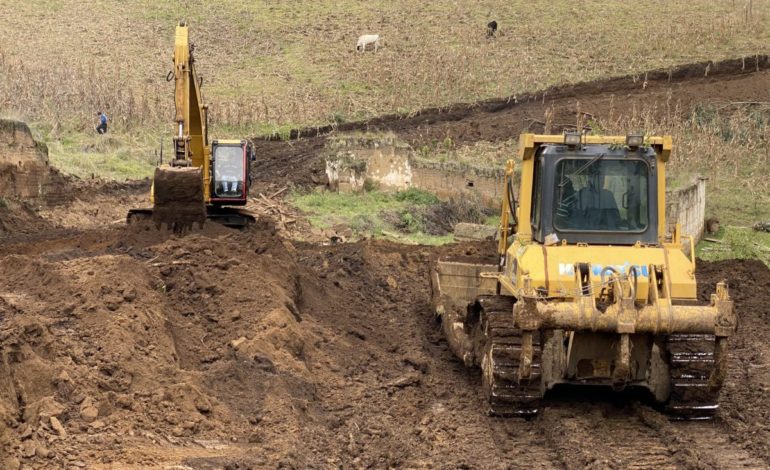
589,286
203,180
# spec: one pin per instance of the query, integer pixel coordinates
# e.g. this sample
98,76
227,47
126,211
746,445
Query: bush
417,196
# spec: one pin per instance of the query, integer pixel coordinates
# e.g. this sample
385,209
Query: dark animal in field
491,29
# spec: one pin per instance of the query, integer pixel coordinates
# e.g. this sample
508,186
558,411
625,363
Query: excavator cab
230,164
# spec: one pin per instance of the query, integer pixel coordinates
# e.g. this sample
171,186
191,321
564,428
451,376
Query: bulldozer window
228,171
607,195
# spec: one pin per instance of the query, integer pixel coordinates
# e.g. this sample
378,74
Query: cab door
230,173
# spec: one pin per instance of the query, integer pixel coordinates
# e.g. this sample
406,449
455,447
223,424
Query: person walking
102,127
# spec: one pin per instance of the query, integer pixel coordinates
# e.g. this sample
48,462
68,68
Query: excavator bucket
178,197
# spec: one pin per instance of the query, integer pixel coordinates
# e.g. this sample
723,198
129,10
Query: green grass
326,209
736,242
110,156
366,213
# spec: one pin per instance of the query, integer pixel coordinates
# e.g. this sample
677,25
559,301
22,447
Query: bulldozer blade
457,283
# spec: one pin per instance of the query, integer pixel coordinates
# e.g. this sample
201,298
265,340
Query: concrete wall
395,167
351,162
687,206
23,162
447,180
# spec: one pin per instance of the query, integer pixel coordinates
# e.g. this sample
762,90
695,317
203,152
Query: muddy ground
129,347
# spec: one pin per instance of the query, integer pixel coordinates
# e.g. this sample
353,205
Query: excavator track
505,394
691,363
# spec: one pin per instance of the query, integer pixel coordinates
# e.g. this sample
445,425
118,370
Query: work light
572,139
634,140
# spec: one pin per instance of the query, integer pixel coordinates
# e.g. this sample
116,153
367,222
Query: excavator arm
191,139
182,189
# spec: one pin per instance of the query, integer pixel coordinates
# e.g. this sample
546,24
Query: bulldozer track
505,394
691,362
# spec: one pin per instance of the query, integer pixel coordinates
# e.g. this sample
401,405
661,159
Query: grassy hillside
268,64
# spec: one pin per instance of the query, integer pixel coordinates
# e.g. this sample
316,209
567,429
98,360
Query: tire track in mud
701,444
601,437
523,445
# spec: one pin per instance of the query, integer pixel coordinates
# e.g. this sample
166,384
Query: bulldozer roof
529,143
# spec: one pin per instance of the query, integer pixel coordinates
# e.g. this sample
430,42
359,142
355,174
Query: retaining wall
393,167
687,206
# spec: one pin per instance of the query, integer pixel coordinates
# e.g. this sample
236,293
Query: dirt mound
236,348
146,344
677,90
141,348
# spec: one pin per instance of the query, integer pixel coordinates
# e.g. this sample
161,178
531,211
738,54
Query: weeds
299,66
416,196
725,142
736,242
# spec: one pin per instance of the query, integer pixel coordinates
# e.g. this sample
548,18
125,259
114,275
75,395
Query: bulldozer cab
230,167
598,194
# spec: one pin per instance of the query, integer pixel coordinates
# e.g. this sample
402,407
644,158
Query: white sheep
367,39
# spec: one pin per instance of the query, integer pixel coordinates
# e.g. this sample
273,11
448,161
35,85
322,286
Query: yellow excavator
588,287
203,180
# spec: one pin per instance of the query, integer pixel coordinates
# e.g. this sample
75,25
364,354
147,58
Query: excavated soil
131,347
128,347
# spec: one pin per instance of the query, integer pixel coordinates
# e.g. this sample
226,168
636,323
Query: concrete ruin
23,161
687,207
354,161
